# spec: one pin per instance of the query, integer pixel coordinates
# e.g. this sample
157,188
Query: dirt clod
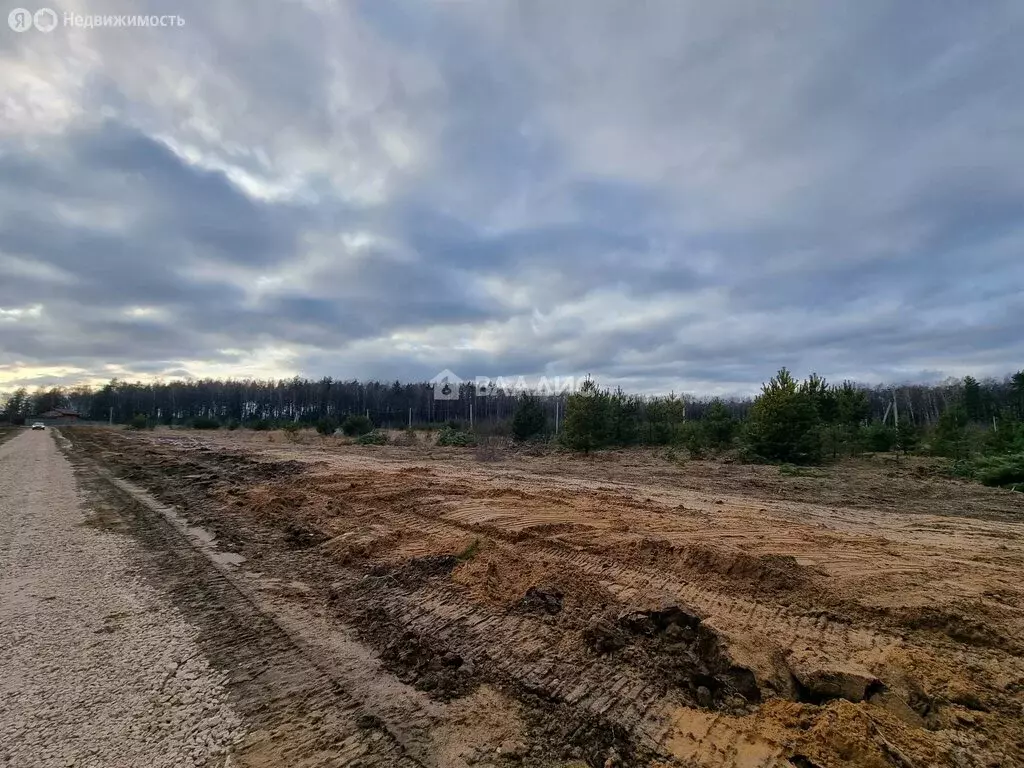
543,599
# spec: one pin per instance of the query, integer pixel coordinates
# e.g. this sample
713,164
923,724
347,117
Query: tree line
635,418
248,401
979,425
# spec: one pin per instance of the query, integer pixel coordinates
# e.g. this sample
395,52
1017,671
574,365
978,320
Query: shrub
454,437
695,447
233,424
373,438
205,422
260,425
529,419
789,470
407,438
488,448
693,435
139,421
1007,470
355,425
326,426
879,438
1006,437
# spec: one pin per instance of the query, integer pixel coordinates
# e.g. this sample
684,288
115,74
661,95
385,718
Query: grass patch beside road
6,433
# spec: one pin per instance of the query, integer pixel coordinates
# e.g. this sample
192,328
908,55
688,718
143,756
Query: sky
669,195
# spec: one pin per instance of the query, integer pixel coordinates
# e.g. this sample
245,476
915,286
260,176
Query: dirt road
420,607
127,639
99,669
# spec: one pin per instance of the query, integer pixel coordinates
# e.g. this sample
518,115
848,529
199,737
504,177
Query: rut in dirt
586,705
292,708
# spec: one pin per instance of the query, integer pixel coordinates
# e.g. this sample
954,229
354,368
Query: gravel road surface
98,668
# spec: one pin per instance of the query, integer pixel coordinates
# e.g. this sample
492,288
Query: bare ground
98,668
613,610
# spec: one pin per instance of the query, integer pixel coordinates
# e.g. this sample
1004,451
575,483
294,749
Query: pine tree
1017,389
784,421
529,419
1003,436
623,418
972,399
846,409
906,436
950,437
586,418
822,395
852,406
719,426
356,425
878,437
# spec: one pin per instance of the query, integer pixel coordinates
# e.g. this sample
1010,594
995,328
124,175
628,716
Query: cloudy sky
670,195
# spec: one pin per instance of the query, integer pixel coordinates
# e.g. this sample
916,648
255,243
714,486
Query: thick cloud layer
671,195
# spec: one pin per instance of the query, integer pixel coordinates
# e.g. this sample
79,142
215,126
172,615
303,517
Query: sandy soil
623,609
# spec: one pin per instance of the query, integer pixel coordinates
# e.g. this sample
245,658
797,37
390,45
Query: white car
38,425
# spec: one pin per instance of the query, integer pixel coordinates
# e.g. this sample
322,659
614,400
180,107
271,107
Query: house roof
57,412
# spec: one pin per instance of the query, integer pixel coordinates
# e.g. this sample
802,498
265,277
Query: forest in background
390,404
979,425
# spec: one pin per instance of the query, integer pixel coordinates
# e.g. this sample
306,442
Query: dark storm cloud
166,198
670,196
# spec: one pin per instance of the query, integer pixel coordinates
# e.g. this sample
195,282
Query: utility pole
111,416
410,417
556,415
